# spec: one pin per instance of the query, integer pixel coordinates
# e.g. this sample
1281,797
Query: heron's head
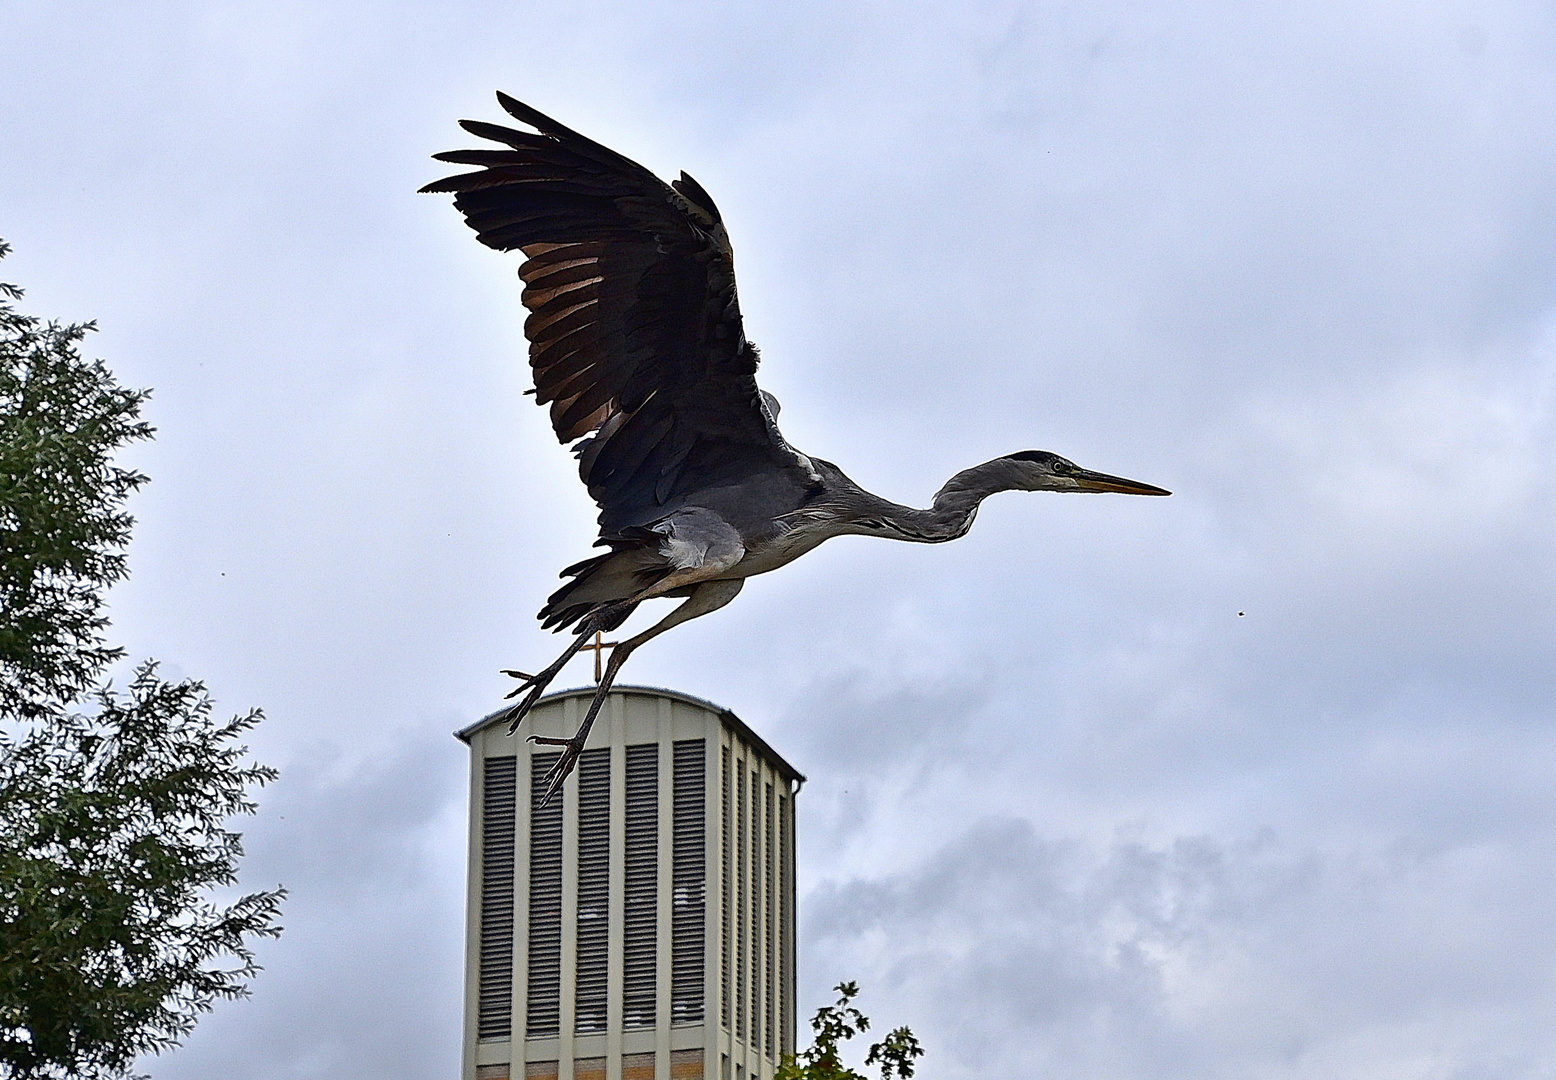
1038,470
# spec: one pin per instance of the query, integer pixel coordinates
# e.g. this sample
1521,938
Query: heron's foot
535,684
571,748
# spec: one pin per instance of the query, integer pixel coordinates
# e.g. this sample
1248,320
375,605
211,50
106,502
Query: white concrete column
615,713
568,977
663,910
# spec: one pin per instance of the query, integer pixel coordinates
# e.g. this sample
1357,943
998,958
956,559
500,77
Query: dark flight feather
636,339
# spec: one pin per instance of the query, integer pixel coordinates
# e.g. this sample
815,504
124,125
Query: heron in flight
637,347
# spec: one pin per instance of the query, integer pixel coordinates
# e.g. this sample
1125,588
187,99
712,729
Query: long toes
536,686
556,786
562,769
521,710
542,679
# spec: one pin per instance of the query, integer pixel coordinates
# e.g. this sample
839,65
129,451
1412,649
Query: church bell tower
641,926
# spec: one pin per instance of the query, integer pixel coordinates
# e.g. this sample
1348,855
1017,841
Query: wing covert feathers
634,328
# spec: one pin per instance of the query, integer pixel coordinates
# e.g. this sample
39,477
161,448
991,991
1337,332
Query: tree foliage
113,805
113,827
63,526
834,1025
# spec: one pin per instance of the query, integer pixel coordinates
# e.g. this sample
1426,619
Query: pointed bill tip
1093,481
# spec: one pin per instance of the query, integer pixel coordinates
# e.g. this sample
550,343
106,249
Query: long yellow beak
1095,481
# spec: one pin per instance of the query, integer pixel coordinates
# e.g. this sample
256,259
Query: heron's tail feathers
604,579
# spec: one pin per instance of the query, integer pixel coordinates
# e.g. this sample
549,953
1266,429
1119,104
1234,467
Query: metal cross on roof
598,648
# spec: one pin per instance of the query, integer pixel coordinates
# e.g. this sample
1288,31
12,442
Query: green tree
113,804
836,1024
63,526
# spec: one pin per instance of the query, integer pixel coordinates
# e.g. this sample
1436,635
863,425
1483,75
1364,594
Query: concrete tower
641,927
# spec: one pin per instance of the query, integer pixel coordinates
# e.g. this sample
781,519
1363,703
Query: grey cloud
366,978
1014,954
349,823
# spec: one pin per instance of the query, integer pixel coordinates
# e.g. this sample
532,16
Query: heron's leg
708,596
536,684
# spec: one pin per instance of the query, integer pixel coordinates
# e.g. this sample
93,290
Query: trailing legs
536,684
707,596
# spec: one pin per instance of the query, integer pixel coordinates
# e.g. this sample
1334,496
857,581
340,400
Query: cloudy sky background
1258,781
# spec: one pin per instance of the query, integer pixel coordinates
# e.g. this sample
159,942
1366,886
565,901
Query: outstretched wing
635,331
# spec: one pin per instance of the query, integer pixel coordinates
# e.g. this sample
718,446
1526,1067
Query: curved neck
955,506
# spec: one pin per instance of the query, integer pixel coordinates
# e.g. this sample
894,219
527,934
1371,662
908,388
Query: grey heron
637,347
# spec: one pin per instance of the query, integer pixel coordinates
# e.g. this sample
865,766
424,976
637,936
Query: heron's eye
1062,466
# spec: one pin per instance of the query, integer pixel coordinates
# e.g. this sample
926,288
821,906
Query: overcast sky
1258,781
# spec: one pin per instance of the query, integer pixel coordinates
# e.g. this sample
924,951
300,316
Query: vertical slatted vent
756,910
641,928
545,903
740,899
785,932
688,881
768,861
728,854
594,852
494,1018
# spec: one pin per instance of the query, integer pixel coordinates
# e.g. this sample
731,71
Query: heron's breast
780,549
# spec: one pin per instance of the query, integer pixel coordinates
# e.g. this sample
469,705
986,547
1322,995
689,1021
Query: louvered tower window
495,1012
769,858
740,899
640,926
688,882
545,903
594,851
727,883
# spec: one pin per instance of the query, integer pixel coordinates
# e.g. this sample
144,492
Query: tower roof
726,715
